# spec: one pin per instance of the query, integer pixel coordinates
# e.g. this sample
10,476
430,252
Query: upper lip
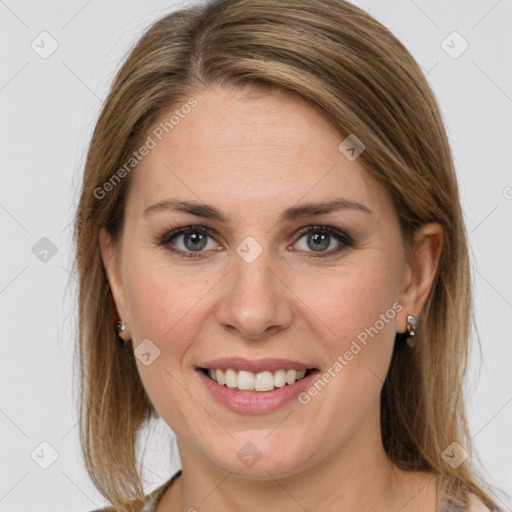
255,365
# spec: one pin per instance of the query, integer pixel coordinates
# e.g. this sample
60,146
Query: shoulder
475,505
152,499
459,500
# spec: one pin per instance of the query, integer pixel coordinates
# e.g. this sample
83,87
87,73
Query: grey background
48,110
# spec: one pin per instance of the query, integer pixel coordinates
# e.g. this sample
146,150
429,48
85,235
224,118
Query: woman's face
257,287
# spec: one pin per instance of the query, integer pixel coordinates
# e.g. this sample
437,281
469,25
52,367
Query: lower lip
256,402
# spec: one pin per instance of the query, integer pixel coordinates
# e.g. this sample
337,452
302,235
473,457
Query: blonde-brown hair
352,70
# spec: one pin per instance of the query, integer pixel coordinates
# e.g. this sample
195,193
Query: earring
411,329
121,327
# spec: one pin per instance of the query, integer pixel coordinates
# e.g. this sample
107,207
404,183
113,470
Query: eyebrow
290,214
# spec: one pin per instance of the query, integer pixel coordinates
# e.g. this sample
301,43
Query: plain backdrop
49,104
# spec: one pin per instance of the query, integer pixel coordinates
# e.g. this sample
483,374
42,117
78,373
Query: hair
357,74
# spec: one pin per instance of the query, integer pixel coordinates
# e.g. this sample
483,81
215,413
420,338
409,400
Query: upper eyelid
212,231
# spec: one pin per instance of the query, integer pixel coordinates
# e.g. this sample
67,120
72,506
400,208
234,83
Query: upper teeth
262,381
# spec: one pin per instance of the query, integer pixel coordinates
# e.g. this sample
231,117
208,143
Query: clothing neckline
445,502
153,499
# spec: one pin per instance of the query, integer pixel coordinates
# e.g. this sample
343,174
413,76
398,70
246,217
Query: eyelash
346,240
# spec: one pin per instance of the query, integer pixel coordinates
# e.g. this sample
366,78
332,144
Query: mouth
263,381
249,386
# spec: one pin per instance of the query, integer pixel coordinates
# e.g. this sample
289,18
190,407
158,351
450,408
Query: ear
420,271
111,262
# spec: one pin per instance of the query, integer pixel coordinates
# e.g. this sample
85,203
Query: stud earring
411,329
121,327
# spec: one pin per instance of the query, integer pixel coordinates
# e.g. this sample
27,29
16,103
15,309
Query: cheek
164,303
355,298
357,312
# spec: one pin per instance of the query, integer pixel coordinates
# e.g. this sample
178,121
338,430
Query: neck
359,477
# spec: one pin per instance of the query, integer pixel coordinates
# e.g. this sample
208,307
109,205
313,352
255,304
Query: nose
255,299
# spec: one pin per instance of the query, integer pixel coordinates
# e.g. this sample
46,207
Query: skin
253,156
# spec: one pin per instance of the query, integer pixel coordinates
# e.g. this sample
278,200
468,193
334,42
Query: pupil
320,241
195,238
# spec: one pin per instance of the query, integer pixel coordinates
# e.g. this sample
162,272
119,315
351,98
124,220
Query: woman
270,219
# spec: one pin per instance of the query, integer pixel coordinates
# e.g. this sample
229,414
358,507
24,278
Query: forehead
249,151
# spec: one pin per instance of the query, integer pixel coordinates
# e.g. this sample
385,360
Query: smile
255,386
243,380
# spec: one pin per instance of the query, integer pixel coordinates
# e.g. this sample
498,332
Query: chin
261,460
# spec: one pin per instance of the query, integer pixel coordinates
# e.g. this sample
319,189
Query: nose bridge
255,299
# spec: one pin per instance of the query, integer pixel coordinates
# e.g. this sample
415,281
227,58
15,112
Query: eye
193,240
320,238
